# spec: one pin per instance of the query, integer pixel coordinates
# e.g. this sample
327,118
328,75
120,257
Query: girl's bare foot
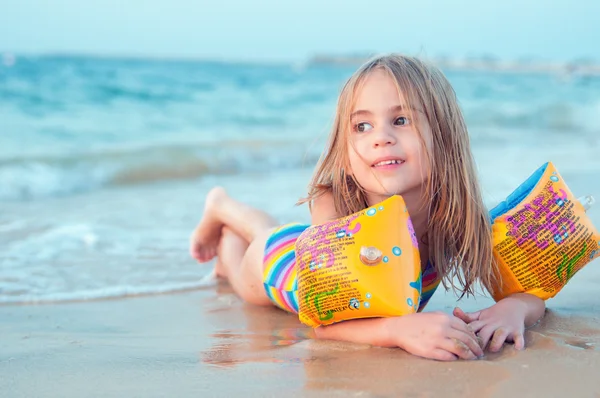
206,236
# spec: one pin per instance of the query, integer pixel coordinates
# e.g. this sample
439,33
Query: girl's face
385,152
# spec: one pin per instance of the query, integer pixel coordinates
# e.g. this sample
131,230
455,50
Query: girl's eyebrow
392,109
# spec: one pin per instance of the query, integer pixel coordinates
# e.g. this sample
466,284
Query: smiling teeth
386,162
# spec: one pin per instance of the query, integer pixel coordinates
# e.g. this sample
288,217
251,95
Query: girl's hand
435,335
504,321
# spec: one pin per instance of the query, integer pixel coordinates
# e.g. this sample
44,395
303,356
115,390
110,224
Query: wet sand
208,343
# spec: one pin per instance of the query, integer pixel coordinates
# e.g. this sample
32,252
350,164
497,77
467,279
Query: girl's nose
384,137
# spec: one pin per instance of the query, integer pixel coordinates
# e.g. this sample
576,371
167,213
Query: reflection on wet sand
561,344
257,334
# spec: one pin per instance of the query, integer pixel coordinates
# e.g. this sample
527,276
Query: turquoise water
76,124
104,162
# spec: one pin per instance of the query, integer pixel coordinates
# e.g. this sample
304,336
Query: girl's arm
431,335
533,307
373,331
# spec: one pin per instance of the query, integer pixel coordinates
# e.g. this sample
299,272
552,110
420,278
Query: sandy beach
207,343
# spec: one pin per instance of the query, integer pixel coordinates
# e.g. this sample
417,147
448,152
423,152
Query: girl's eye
402,121
362,127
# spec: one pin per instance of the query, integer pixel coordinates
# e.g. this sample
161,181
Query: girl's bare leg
242,264
236,233
221,210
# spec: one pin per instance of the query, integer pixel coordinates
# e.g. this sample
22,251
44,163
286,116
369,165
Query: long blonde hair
458,230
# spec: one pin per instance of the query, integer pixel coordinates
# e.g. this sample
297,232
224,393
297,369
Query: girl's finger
485,334
498,340
467,339
467,317
442,355
457,347
519,340
476,326
457,324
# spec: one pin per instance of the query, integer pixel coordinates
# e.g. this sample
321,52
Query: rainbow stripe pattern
280,279
430,283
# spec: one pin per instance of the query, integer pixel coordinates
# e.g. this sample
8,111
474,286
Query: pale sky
294,30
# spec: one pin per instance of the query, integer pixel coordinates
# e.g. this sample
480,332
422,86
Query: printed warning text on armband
537,236
548,218
337,290
324,242
323,251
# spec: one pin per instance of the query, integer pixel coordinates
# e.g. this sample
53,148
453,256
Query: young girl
398,131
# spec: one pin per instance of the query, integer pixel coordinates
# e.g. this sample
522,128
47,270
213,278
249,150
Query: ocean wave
553,117
104,293
40,177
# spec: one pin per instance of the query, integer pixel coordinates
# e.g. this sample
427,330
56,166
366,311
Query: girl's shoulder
323,208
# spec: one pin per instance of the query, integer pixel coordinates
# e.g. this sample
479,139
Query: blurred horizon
348,57
269,31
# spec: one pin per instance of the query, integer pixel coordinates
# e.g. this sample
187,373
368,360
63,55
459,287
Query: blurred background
116,118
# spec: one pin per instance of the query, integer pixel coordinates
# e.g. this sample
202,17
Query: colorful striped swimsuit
280,279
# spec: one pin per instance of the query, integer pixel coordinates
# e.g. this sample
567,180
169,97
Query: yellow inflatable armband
542,236
361,266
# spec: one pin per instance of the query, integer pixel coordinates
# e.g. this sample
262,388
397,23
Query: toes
212,253
195,253
204,254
